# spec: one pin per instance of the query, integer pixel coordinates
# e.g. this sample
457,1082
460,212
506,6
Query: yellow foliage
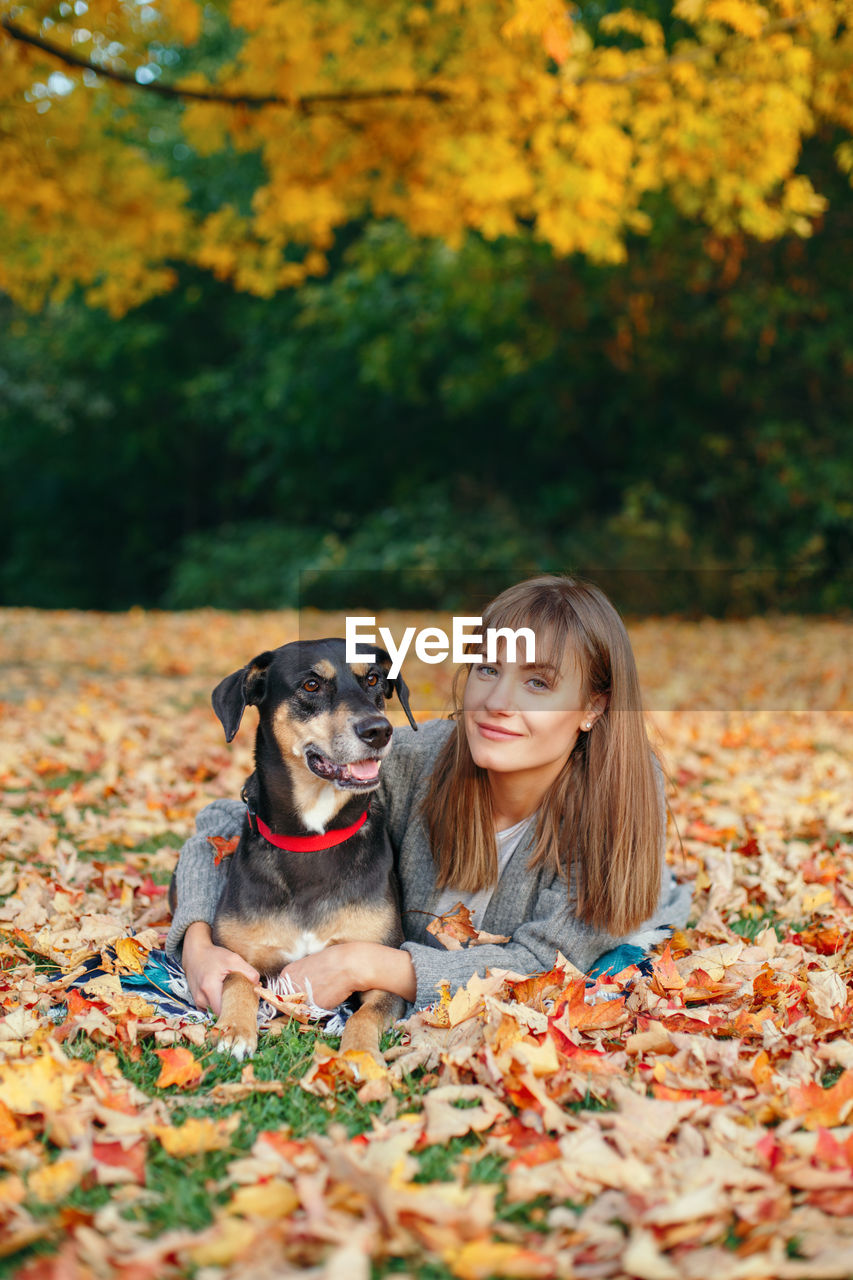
450,117
749,19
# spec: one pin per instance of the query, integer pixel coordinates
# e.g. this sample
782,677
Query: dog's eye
311,685
372,680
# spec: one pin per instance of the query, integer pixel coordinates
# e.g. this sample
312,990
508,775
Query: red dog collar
308,844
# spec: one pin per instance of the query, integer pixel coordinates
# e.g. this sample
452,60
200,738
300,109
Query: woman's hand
207,966
336,972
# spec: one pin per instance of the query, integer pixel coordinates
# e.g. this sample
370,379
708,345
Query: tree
450,115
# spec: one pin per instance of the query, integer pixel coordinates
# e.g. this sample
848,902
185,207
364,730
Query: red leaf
223,848
126,1164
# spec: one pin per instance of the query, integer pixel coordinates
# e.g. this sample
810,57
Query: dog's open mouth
356,774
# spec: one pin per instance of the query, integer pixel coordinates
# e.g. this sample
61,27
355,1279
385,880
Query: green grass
417,1270
438,1163
750,927
187,1193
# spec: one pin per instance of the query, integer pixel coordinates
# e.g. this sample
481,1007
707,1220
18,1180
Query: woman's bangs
555,627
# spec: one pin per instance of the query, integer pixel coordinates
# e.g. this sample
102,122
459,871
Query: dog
314,864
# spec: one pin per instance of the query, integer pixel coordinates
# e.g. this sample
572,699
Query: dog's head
319,710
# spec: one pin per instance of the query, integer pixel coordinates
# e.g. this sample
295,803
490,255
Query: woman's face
520,717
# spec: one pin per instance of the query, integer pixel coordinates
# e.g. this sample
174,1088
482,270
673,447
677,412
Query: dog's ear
397,685
244,688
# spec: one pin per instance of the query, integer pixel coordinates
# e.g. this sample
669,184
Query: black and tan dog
314,865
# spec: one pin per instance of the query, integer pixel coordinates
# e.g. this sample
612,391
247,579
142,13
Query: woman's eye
372,680
484,670
537,682
311,685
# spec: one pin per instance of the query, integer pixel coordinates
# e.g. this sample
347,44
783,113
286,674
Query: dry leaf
197,1135
179,1068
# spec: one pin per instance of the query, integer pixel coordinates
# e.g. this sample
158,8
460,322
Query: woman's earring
588,725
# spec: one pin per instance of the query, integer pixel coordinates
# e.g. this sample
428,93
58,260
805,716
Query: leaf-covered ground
696,1127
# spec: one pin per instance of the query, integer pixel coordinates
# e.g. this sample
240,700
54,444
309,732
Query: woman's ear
594,710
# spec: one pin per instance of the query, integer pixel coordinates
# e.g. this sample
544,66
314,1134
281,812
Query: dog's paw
241,1043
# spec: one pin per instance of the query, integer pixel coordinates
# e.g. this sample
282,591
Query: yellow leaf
28,1087
53,1182
225,1241
366,1065
130,955
273,1199
479,1259
196,1135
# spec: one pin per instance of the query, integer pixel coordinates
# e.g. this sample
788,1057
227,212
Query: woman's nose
501,696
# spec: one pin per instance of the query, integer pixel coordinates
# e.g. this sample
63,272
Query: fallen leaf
178,1068
196,1135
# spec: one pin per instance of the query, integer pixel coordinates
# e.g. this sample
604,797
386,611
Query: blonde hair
601,822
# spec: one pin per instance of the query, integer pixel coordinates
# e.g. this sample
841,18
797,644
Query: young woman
539,804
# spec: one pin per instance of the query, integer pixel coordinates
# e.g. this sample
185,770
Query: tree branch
310,101
305,103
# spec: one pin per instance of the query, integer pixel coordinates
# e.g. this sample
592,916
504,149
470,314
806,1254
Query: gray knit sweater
532,908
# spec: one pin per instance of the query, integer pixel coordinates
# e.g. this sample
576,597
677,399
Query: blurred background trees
420,409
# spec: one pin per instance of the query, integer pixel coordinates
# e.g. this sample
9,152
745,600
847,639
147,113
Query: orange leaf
764,984
12,1134
179,1068
576,1012
453,929
223,848
543,1151
823,1107
665,1093
825,941
761,1070
531,990
667,976
750,1024
698,830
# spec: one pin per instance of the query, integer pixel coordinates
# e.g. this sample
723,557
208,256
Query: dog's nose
375,731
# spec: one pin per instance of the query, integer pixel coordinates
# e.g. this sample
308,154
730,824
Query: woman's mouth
497,734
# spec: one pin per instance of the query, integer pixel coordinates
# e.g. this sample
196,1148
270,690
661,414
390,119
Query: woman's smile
495,732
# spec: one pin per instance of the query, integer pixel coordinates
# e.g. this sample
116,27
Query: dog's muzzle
360,775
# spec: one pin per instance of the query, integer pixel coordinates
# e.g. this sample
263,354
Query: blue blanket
163,983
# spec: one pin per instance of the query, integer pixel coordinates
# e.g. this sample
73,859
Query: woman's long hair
603,816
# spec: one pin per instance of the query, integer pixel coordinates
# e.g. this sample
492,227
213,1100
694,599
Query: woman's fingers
207,966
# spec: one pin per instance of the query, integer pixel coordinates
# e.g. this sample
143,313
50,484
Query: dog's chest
269,942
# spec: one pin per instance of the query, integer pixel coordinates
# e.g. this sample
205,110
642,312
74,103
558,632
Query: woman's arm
336,972
548,925
198,881
198,884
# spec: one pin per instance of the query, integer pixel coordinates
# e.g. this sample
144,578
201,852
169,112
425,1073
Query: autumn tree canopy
449,115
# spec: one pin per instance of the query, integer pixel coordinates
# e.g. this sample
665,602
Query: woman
539,804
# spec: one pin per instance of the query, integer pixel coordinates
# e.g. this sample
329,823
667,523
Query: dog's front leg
237,1028
376,1013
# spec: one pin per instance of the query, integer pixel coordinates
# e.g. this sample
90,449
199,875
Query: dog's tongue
364,770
